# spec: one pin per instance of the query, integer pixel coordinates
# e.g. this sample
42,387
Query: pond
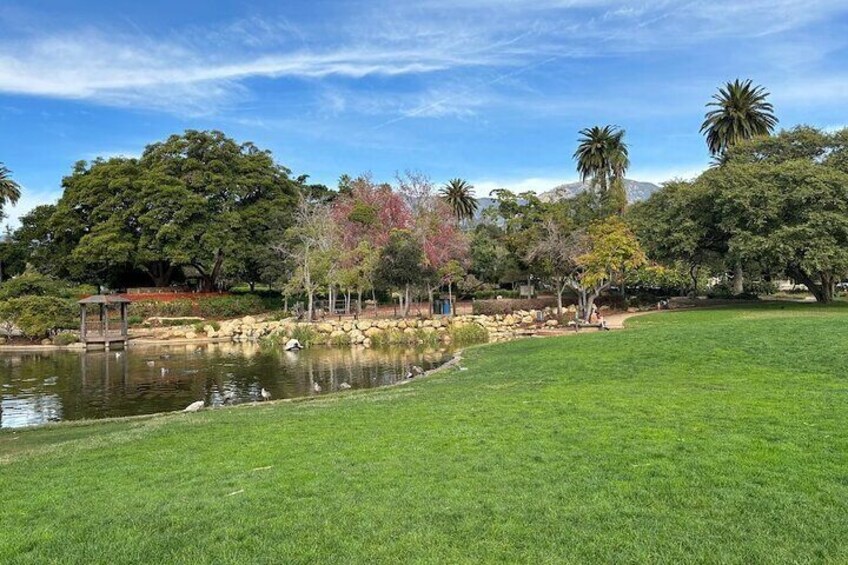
47,386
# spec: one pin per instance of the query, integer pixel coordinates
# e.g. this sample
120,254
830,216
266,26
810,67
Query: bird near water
195,406
344,386
316,387
265,394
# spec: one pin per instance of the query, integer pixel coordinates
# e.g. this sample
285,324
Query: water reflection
42,386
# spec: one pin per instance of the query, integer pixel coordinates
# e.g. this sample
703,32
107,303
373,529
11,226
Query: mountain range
636,191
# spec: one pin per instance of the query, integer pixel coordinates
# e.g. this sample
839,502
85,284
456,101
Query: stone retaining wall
369,332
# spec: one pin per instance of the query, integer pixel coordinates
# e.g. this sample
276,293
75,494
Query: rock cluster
369,332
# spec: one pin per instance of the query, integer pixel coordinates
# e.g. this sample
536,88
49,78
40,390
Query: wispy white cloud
200,70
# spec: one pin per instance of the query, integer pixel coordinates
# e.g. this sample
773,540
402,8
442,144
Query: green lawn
710,436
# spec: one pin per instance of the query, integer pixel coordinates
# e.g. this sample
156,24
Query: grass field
715,436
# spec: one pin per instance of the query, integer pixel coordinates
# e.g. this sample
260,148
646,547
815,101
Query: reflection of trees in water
74,385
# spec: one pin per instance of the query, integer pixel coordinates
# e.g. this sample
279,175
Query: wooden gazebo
99,331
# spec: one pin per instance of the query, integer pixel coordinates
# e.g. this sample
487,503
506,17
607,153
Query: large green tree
784,203
198,199
400,265
680,223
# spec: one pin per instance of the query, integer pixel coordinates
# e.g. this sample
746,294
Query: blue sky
491,91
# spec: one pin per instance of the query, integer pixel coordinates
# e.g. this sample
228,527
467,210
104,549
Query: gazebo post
105,309
82,322
124,329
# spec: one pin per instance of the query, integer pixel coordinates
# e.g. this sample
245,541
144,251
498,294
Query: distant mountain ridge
636,192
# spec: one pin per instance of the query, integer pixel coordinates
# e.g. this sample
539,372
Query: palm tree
457,193
10,191
740,112
602,156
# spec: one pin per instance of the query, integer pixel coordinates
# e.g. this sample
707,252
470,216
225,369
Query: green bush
468,334
38,316
340,340
187,321
508,306
33,284
220,307
65,338
157,308
304,334
232,306
134,320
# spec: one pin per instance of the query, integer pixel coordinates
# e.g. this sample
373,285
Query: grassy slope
698,436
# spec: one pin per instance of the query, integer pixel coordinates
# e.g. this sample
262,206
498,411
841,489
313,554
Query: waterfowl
194,406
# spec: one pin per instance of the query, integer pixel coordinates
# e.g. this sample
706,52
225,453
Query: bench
578,324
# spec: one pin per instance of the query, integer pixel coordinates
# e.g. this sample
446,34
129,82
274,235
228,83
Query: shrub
340,340
468,334
224,306
157,308
304,334
493,294
32,284
38,316
508,306
426,338
134,320
65,338
230,306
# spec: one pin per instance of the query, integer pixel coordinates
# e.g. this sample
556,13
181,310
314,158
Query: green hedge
39,316
215,307
508,306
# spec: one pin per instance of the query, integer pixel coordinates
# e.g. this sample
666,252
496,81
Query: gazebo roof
105,299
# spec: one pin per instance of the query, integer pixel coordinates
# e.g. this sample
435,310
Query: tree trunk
252,286
560,289
822,292
160,272
359,301
310,293
430,299
693,274
209,281
405,309
582,309
450,298
738,279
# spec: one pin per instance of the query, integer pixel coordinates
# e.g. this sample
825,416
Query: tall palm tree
603,157
740,111
10,191
458,194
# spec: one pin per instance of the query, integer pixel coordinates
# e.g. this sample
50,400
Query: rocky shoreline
366,333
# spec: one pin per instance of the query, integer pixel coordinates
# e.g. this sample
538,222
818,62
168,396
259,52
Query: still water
48,386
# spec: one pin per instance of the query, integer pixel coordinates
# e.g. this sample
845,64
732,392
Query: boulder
552,323
191,335
371,332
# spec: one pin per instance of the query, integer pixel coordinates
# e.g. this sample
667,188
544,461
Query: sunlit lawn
710,436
